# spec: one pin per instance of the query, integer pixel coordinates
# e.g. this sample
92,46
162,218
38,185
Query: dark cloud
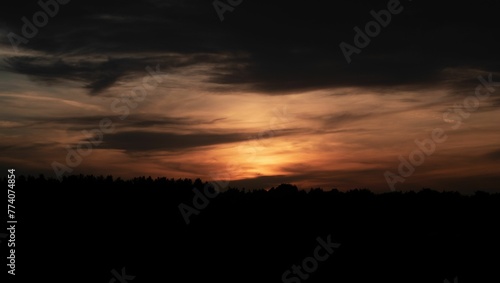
136,141
327,179
27,148
97,75
496,102
136,121
273,47
494,155
344,180
148,141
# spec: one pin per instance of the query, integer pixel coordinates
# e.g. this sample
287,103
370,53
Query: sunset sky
264,97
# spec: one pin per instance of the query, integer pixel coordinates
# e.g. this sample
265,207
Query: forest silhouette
81,227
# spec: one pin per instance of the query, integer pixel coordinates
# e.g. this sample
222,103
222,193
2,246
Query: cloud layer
226,83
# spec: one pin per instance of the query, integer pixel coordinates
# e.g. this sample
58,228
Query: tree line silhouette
82,226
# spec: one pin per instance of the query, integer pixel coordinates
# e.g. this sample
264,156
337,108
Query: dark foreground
88,229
